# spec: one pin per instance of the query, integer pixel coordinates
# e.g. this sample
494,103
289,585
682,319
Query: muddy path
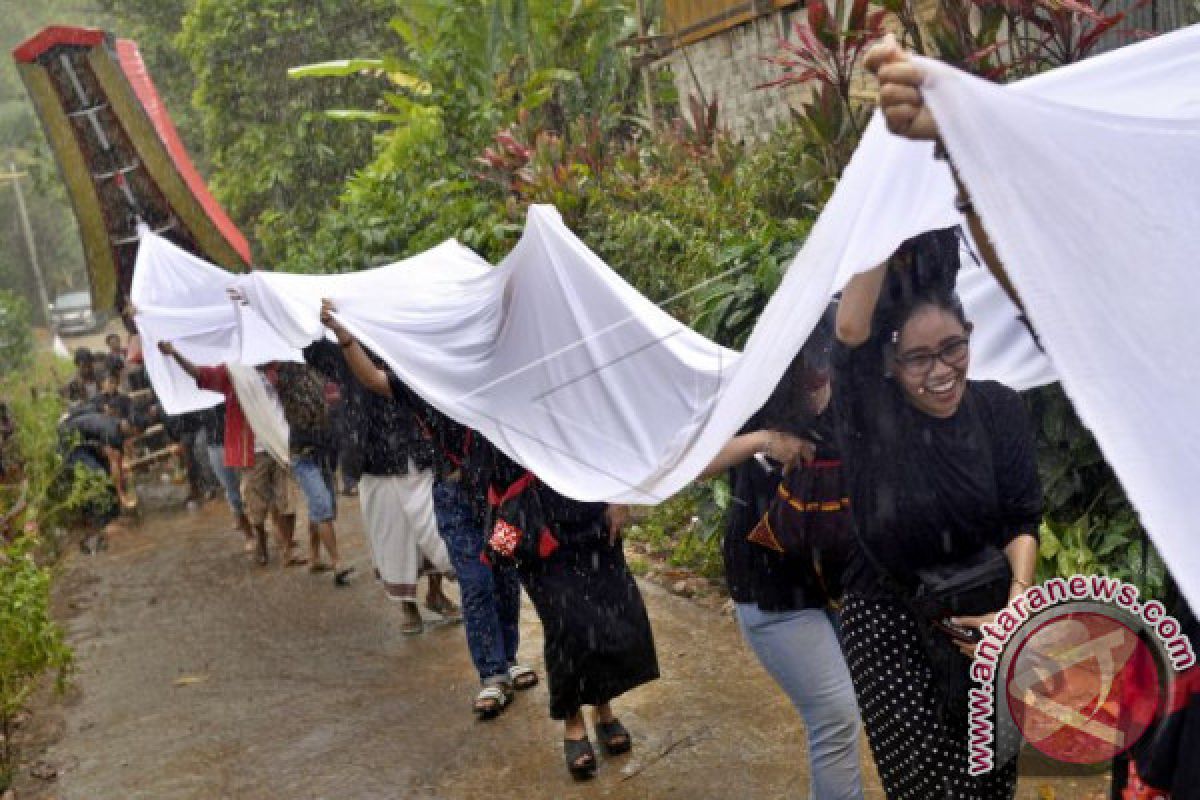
201,676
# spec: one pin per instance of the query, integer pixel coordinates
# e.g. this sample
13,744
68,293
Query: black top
95,429
119,403
302,394
481,465
389,435
924,490
214,425
756,574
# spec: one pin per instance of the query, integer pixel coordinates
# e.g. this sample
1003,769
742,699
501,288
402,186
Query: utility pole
29,243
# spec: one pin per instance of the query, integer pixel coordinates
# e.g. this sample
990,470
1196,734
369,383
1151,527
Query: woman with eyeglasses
939,468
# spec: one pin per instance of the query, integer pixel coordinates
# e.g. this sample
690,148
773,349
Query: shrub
30,642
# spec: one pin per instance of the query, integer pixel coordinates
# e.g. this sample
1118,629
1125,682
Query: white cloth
182,299
263,411
550,355
1096,216
402,528
572,373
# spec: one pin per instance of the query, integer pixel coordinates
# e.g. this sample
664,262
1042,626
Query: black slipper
342,577
581,758
608,731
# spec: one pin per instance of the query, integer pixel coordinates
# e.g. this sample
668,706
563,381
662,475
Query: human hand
789,450
327,318
900,91
617,518
976,622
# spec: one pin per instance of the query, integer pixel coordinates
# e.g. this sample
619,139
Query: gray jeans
801,652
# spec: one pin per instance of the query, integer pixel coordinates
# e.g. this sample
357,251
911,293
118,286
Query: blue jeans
491,597
801,652
317,487
228,477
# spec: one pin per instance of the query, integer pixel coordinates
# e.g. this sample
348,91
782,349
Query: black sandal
613,737
581,758
342,578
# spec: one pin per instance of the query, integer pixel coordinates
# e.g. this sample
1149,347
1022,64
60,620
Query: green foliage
278,162
687,528
1089,526
44,495
48,495
16,336
31,644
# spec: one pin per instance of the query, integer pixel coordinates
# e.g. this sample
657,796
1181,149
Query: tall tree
276,161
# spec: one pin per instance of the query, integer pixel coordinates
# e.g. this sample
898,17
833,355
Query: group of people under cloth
874,465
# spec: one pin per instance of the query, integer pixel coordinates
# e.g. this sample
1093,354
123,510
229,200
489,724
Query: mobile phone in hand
960,633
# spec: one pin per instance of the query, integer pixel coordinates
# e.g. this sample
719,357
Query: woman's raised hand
900,91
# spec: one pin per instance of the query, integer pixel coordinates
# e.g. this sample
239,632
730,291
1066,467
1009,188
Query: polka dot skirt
918,756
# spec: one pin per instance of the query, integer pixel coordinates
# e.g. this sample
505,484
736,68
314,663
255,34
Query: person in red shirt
261,476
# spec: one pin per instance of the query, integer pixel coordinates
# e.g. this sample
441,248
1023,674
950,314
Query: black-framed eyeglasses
920,362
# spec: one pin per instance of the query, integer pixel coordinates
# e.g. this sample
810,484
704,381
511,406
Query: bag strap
515,489
427,432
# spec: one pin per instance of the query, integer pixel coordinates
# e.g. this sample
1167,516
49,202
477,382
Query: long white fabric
183,299
263,410
567,369
1096,215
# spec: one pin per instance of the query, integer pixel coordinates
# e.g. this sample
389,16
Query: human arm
777,445
168,349
906,115
616,517
857,306
369,375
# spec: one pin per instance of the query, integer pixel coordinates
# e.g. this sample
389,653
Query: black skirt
598,639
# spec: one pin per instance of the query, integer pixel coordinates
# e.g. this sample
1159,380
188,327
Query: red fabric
520,485
239,436
1137,789
333,394
547,544
505,538
139,78
28,51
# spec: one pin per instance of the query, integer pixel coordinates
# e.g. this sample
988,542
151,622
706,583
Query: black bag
975,585
516,527
809,519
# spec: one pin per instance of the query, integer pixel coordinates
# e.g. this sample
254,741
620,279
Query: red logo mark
1083,688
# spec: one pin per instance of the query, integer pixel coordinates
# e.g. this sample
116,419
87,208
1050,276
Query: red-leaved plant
828,45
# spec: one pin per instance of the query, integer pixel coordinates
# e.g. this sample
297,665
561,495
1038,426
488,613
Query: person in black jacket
395,490
938,469
781,602
598,641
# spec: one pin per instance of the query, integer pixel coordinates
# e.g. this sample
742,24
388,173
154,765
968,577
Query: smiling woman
942,477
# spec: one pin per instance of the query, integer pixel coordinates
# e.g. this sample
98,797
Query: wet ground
201,676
